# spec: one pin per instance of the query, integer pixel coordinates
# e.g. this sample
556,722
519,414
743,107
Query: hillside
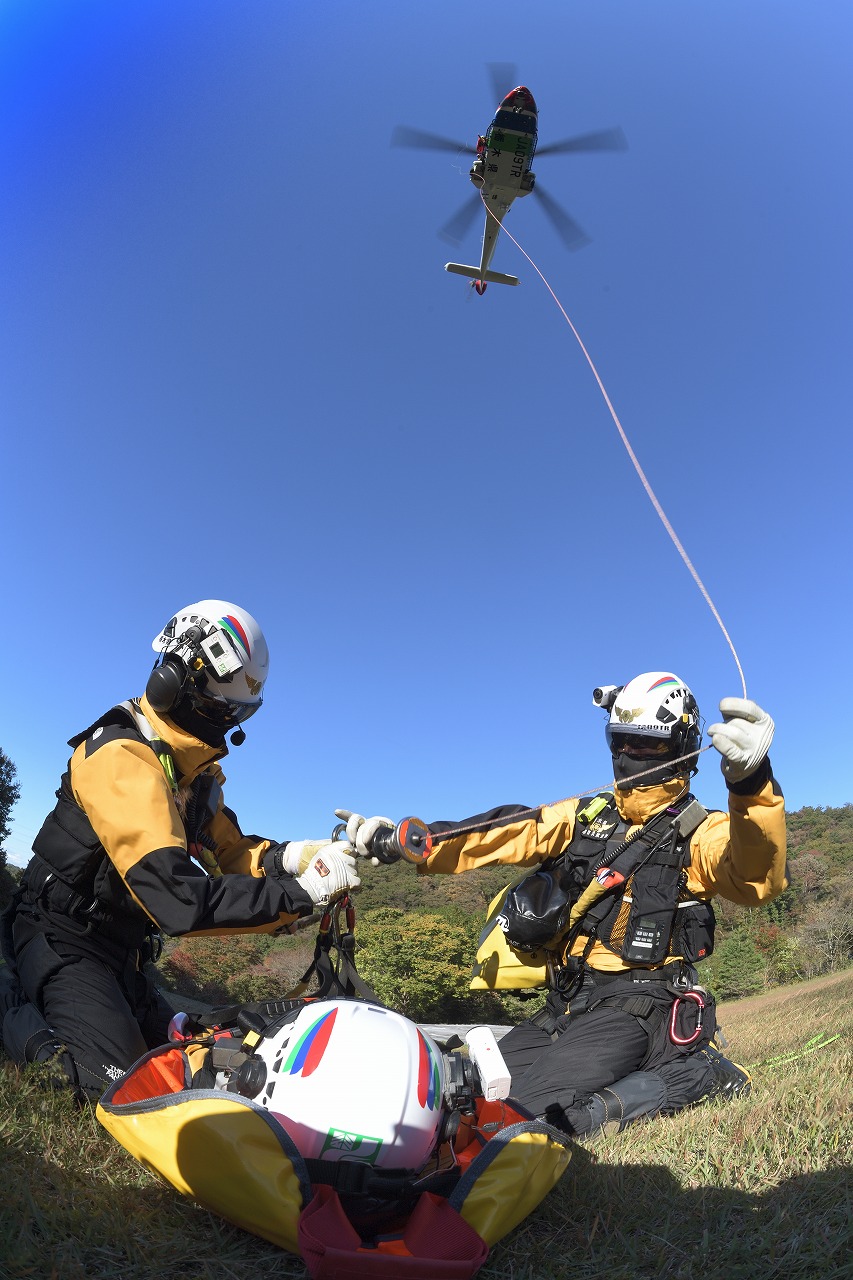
760,1187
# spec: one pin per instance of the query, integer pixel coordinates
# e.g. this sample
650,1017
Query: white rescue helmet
355,1081
653,717
219,663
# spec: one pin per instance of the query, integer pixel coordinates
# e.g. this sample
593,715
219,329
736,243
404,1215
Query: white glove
744,738
329,872
297,854
360,831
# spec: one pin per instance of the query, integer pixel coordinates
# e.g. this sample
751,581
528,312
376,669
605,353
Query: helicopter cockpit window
522,123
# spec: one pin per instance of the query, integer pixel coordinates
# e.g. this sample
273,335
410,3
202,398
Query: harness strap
161,749
42,887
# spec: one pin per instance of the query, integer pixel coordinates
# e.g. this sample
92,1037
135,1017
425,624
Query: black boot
728,1080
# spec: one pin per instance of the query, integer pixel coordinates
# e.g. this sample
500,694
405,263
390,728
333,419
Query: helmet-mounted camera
606,695
212,668
220,654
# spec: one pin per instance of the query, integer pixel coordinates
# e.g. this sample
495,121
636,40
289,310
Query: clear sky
231,365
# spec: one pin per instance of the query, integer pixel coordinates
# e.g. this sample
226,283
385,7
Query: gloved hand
294,857
360,831
329,872
743,739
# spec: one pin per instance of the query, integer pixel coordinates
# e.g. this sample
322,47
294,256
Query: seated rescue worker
619,910
140,842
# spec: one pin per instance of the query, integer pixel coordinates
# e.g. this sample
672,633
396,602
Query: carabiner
697,999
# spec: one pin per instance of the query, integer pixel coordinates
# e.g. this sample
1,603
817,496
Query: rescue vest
71,873
627,894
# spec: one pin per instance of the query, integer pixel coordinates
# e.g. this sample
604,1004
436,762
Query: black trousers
588,1052
102,1008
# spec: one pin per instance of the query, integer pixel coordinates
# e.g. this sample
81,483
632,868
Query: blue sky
231,365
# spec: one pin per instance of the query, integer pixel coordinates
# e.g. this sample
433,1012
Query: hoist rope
631,454
477,825
589,791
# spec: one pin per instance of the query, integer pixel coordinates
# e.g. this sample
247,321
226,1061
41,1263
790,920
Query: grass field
754,1189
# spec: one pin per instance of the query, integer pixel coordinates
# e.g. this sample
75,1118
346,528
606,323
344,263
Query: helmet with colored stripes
654,717
350,1080
213,666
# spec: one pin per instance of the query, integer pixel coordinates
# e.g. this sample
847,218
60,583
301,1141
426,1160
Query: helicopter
501,171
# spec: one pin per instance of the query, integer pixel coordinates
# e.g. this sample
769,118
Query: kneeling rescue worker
619,910
140,842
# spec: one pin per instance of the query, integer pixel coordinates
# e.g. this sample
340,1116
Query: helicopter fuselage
502,173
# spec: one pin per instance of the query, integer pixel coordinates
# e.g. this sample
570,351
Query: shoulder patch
107,733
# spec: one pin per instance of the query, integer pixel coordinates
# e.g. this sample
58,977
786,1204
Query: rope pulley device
410,839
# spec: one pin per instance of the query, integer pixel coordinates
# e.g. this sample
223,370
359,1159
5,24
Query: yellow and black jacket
739,855
140,840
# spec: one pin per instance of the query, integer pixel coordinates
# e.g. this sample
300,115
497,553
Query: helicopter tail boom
477,273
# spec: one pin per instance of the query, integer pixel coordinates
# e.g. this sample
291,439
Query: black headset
171,673
170,676
166,683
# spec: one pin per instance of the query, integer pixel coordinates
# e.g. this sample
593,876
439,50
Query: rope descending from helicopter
677,543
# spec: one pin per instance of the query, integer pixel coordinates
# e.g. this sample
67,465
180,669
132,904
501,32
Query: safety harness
626,892
70,874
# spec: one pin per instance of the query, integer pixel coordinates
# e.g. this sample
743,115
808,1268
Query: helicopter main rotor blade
403,136
570,232
604,140
460,224
504,76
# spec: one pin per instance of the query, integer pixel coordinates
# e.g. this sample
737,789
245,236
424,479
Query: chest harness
627,893
71,874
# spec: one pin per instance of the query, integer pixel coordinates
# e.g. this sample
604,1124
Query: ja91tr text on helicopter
502,172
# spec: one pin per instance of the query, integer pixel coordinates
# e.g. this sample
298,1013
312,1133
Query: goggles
642,746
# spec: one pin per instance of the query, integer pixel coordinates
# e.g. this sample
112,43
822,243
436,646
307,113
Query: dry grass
759,1187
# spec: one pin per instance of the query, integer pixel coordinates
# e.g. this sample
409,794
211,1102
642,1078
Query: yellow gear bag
234,1158
498,966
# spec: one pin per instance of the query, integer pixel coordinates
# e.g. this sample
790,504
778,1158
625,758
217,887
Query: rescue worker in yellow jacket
141,842
618,911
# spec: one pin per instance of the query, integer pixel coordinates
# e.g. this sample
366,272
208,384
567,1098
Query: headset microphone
238,737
